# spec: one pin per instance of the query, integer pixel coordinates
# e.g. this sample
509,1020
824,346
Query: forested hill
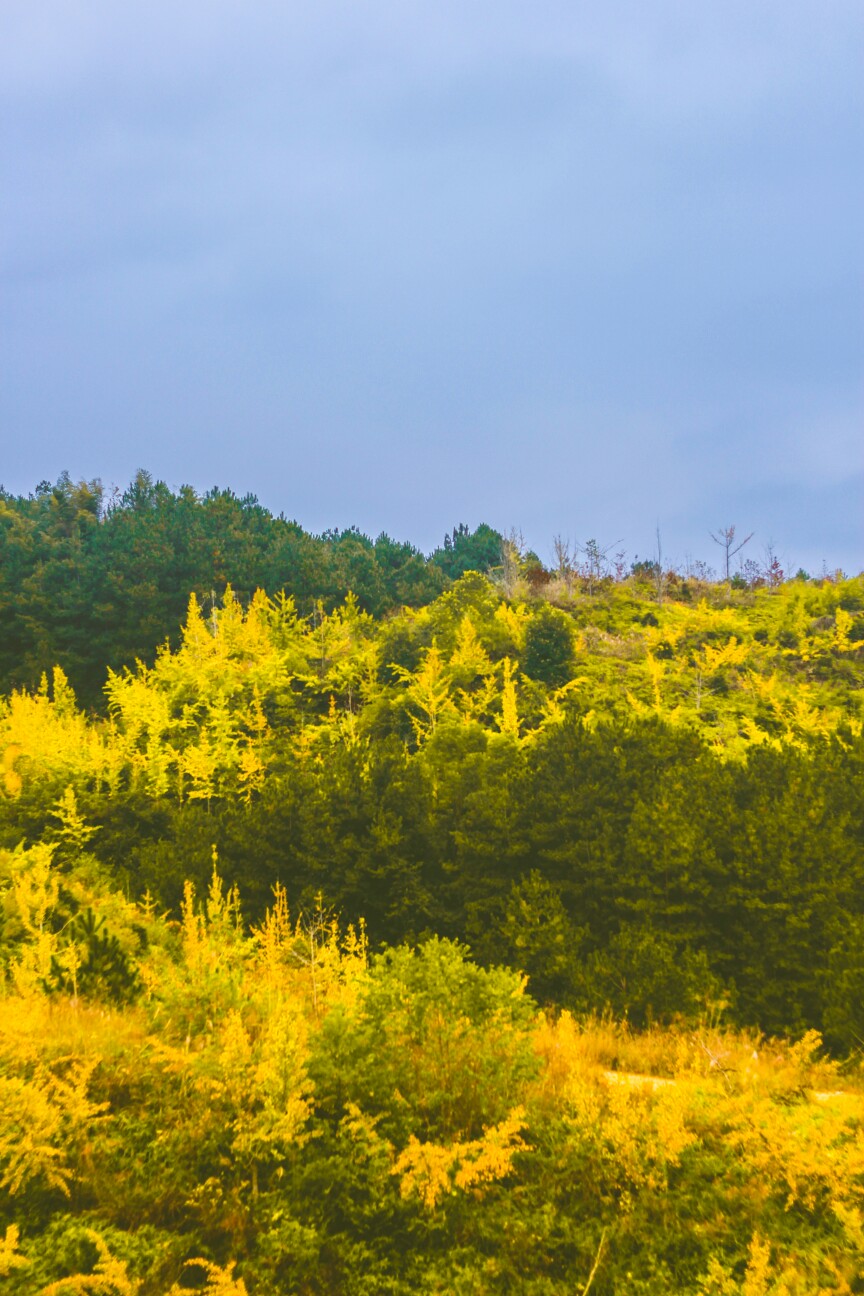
396,928
640,799
89,581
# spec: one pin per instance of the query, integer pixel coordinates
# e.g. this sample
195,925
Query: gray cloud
575,269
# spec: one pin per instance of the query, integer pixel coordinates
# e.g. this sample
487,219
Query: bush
548,655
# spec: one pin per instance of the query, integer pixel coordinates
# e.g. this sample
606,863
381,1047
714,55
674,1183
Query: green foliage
465,550
91,582
405,1126
645,975
91,960
645,793
548,655
538,935
434,1044
844,986
691,780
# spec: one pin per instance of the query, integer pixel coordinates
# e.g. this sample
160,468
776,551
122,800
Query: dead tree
563,562
725,538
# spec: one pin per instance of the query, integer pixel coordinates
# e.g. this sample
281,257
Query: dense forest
89,580
375,923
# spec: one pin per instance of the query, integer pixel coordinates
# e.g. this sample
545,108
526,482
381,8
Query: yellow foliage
195,723
34,885
641,708
490,1158
142,727
641,1131
195,719
73,828
477,704
430,1170
469,655
230,1016
759,1278
566,1054
11,778
235,1057
250,771
669,635
710,659
636,1130
279,1073
813,722
37,1118
39,733
656,671
199,765
220,1281
426,1170
347,655
273,941
514,618
10,1257
214,958
264,1081
764,686
109,1278
509,723
756,1279
308,958
554,710
754,735
194,930
428,690
840,641
31,896
809,1152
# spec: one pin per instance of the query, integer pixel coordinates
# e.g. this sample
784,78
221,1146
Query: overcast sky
564,267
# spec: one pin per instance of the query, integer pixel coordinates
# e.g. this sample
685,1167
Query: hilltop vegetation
642,789
642,805
89,581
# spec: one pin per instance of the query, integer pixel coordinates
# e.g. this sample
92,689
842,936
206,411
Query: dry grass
741,1058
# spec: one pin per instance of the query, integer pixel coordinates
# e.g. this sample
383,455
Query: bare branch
725,538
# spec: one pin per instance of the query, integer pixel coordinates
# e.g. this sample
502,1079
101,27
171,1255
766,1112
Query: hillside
271,893
672,784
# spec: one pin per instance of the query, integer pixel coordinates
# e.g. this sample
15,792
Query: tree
645,975
549,647
511,558
595,565
725,538
538,935
772,569
563,562
465,550
659,574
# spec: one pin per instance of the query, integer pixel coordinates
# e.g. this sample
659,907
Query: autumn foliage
501,944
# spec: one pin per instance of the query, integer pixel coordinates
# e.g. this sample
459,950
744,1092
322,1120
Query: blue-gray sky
564,267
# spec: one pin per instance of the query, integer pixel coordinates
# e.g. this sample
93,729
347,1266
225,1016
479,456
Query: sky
572,269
